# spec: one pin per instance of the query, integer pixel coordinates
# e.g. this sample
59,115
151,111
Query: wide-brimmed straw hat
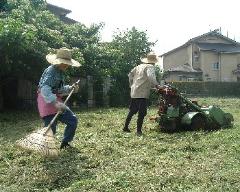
151,58
63,56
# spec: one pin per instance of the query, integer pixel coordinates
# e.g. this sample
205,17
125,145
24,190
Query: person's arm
46,83
130,76
151,76
48,96
64,90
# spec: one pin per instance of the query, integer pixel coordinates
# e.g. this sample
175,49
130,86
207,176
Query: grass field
106,159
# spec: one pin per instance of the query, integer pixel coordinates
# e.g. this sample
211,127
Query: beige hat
63,56
151,58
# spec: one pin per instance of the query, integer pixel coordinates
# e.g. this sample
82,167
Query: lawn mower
176,112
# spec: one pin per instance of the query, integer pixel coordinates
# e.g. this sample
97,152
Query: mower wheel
169,126
198,123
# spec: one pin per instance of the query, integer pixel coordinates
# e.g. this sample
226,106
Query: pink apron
46,108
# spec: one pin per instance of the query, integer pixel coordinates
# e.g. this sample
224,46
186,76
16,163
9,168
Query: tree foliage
28,31
131,46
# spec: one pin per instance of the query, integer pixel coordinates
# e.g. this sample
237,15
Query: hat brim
52,58
146,60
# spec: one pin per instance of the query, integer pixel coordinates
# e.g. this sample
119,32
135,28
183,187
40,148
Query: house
208,57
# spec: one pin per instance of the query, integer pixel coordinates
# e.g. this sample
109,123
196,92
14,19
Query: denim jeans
68,118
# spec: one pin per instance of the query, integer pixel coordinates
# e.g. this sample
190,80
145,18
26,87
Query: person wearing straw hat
51,88
141,79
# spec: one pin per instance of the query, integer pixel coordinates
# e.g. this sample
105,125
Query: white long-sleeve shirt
141,79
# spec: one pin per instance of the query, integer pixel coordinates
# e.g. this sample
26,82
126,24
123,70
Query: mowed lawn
106,159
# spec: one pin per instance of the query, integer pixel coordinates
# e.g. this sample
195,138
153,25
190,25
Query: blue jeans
68,118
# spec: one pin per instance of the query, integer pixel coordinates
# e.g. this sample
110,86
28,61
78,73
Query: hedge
214,89
121,97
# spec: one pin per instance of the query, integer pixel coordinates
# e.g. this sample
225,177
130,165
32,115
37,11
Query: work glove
158,87
75,86
60,106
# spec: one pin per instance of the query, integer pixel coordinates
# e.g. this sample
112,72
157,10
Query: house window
238,79
196,56
208,79
180,78
215,66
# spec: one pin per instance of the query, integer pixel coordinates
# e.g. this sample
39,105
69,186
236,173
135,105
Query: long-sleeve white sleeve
130,76
151,76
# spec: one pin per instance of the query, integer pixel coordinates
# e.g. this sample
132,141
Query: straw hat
151,58
63,56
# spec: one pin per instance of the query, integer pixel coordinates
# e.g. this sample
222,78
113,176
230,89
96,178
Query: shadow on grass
189,130
39,173
17,126
35,173
71,167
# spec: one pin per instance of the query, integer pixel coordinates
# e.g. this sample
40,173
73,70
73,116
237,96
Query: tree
28,31
23,40
131,45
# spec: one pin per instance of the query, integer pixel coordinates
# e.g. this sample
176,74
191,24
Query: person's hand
60,106
75,86
158,86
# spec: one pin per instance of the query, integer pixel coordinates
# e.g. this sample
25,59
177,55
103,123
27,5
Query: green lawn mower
176,112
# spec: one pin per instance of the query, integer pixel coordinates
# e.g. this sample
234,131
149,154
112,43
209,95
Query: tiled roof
214,33
219,47
195,39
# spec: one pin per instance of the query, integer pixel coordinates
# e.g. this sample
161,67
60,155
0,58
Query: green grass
106,159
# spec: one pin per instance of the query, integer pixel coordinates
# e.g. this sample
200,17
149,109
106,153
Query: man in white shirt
141,79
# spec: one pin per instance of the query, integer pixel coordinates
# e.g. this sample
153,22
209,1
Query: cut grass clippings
107,159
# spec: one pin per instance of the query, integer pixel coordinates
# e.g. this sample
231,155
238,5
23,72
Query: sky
169,22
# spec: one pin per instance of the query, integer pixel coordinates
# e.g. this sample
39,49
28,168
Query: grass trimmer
176,112
43,140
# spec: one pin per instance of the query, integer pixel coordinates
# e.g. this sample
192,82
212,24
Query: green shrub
215,89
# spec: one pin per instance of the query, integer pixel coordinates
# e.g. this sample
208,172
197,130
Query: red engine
168,97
